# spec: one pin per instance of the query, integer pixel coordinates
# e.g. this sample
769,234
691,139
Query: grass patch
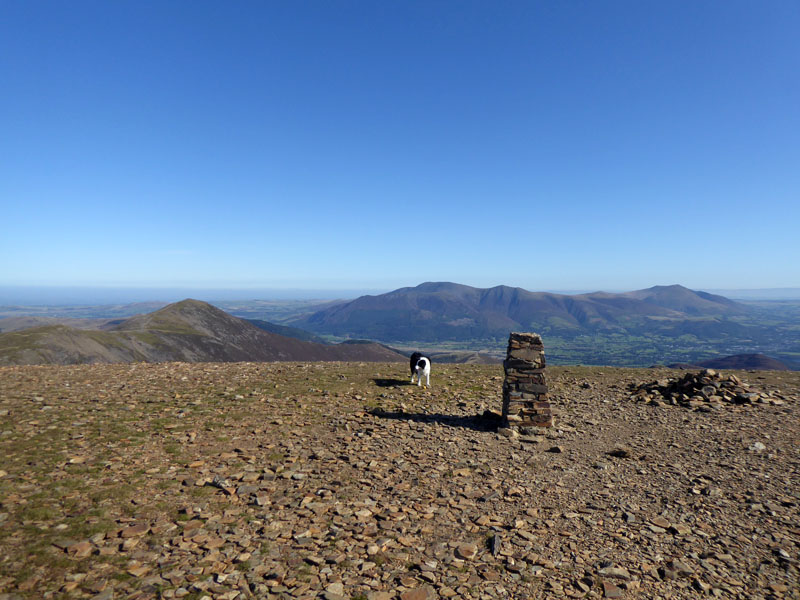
38,513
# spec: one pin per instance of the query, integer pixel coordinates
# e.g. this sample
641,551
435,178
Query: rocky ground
259,480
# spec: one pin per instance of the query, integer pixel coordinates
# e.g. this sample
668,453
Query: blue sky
373,145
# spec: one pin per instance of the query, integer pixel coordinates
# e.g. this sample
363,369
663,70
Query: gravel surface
340,480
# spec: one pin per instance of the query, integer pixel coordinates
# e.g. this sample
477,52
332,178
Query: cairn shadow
483,423
382,382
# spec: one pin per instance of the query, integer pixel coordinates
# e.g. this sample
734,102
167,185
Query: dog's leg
428,379
412,378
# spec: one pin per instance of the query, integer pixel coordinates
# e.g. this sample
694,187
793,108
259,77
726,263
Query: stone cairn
703,389
524,389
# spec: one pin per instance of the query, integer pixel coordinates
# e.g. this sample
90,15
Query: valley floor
340,480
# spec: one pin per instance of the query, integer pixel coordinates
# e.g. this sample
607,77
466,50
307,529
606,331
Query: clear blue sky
342,144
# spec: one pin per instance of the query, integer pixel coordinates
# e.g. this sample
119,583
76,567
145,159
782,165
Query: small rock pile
524,388
702,389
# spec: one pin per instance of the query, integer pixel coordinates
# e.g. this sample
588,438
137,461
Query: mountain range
187,331
450,322
449,311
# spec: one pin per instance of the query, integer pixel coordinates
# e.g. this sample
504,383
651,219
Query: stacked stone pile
524,389
703,388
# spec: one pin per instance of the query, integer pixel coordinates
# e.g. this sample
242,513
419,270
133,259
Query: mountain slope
284,330
19,323
756,362
449,311
681,299
187,331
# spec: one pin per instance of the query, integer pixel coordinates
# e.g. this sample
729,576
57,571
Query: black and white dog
421,365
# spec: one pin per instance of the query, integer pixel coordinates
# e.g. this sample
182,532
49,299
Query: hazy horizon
98,295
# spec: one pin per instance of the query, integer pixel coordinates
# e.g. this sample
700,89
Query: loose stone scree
524,389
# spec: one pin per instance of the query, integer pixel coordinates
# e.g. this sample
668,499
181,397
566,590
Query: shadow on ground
483,422
390,382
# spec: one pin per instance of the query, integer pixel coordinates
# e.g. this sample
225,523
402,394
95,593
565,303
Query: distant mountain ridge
679,298
187,331
450,322
743,362
19,323
436,311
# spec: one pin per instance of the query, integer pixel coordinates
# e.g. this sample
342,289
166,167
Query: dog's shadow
382,382
485,422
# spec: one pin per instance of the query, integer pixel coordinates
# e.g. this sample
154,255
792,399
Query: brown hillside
19,323
758,362
187,331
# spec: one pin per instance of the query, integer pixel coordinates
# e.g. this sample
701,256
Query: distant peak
187,303
439,286
190,302
674,286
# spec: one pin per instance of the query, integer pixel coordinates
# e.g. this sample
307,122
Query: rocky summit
342,481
